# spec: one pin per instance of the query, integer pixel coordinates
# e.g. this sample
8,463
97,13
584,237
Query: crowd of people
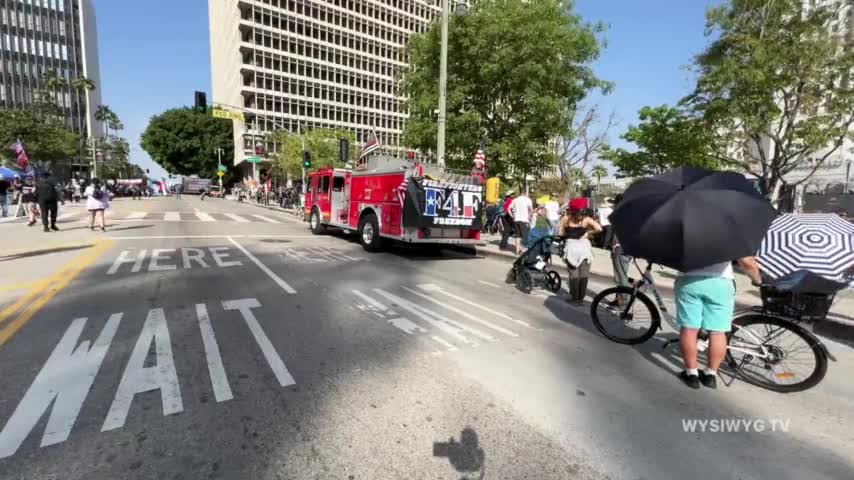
39,198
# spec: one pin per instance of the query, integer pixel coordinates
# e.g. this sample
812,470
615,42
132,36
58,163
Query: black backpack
98,194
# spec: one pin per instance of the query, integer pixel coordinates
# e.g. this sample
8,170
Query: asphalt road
220,340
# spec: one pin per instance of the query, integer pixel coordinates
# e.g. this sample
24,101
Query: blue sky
154,54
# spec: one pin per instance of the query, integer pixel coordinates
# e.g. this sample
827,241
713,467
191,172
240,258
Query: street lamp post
461,8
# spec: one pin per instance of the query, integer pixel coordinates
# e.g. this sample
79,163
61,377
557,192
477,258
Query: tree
115,123
322,143
104,115
83,84
47,139
184,142
516,72
582,143
599,171
667,137
774,86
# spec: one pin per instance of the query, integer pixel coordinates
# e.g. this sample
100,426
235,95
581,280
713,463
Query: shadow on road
46,251
466,456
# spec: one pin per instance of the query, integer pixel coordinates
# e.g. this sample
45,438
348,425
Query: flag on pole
480,158
371,145
21,155
401,190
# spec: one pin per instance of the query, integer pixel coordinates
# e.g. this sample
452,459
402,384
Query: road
222,340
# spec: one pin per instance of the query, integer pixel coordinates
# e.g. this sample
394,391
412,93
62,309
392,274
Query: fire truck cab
387,198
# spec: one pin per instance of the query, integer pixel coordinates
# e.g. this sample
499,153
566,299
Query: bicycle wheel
624,315
775,354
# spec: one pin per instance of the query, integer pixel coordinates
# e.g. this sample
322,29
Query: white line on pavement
236,218
429,287
263,267
172,217
489,284
460,312
450,327
219,381
205,217
445,344
136,215
266,219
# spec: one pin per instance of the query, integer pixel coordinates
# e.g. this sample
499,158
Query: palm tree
116,124
103,114
599,171
82,84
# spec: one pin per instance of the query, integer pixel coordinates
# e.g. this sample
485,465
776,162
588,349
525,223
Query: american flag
21,154
480,158
401,190
371,145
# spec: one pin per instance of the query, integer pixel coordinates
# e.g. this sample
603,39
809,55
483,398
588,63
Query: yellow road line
52,288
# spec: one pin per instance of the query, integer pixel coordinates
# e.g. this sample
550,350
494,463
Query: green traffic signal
306,159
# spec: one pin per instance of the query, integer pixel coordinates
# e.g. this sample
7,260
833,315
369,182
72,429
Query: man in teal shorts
705,299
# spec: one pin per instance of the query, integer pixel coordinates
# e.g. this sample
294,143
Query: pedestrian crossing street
135,216
437,317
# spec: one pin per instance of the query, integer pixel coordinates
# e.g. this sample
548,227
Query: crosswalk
135,216
444,320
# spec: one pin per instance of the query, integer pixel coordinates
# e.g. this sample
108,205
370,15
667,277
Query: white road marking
379,306
136,215
263,267
266,219
189,254
489,284
65,215
438,323
236,218
124,257
245,307
157,255
406,325
444,343
220,253
434,288
219,381
138,378
205,217
172,217
64,382
465,314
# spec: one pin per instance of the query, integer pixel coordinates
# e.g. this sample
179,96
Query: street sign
222,168
227,114
254,159
220,173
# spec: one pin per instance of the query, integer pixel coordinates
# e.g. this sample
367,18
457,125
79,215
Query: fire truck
392,199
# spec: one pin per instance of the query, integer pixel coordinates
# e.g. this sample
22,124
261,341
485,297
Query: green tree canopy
322,143
775,86
516,71
46,137
666,138
183,141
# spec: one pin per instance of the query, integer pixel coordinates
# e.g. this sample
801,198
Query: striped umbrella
820,243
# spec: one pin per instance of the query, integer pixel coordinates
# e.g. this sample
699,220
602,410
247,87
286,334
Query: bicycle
762,336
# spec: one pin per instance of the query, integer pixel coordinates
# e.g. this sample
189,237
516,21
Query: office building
303,64
42,36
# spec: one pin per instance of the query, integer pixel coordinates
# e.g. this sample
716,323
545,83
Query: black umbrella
691,218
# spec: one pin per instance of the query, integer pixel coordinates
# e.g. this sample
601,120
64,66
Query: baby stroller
531,268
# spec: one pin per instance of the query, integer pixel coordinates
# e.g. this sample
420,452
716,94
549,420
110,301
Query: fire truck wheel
369,233
314,222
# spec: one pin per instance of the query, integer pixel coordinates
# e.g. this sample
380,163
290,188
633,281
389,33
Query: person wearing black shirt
48,201
4,192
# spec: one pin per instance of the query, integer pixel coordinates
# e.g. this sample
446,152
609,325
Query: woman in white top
97,200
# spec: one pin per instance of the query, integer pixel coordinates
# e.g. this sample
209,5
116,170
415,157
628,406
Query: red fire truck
387,198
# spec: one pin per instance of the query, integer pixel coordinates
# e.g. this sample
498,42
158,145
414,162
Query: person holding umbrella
698,222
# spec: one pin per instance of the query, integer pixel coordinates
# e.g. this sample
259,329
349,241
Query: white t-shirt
723,270
522,208
553,210
604,212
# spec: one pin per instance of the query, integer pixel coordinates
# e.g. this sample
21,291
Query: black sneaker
692,381
54,228
46,229
710,381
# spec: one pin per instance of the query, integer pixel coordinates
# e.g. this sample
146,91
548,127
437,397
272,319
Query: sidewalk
842,310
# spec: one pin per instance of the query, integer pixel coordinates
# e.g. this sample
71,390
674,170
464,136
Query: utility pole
443,86
219,152
94,157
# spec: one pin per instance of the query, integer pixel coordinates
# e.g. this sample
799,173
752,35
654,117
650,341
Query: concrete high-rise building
303,64
42,36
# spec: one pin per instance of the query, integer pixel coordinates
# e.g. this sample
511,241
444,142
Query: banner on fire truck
437,203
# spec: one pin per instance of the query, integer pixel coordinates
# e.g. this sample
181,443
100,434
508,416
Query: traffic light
201,102
343,150
306,159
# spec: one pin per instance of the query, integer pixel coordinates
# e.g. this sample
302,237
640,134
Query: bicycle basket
808,307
